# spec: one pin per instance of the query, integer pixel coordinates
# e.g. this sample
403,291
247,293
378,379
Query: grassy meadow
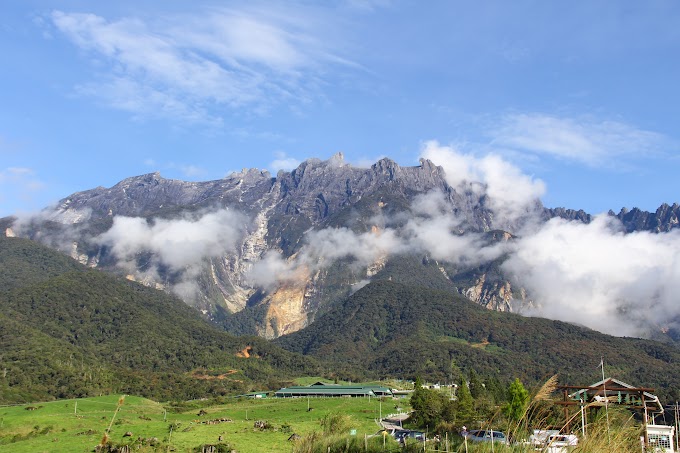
78,425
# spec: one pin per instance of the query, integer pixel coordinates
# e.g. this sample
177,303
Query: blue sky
583,95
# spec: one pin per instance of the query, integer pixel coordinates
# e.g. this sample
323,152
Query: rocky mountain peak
320,201
386,167
149,179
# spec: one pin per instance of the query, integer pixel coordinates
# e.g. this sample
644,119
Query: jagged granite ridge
280,210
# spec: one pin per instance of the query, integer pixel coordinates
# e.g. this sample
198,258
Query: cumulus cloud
324,247
179,245
512,194
434,230
596,275
586,140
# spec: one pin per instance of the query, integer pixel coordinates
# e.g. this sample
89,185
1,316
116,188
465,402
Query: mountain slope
265,255
406,331
276,215
80,332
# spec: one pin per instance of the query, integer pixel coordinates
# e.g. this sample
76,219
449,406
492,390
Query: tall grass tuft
319,443
121,400
620,435
336,423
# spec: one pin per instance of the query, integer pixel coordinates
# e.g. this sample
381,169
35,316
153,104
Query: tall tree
476,386
464,403
518,397
428,407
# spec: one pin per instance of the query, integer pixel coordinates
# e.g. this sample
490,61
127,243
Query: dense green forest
406,331
69,331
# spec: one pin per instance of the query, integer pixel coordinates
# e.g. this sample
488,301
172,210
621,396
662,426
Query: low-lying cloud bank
180,245
595,275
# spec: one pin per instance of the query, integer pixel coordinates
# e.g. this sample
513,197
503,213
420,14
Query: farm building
614,392
321,390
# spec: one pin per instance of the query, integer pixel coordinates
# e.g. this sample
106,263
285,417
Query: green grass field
78,425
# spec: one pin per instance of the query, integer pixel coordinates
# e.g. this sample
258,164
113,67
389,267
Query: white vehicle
560,443
487,435
540,436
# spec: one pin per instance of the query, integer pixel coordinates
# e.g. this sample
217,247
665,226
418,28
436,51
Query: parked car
487,435
398,434
540,437
384,432
417,435
561,443
403,435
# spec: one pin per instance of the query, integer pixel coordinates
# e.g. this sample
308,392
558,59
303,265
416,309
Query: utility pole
677,437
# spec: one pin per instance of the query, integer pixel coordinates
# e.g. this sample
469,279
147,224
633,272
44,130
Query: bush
336,423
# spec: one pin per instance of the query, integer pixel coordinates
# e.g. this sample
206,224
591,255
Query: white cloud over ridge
283,162
183,66
512,194
598,276
180,245
589,274
432,230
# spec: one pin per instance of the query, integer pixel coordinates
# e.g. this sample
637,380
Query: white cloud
512,194
146,101
595,275
283,162
586,140
184,66
432,230
437,232
177,243
181,245
324,247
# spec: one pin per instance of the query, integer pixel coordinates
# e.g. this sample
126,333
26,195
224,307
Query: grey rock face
279,211
664,219
567,214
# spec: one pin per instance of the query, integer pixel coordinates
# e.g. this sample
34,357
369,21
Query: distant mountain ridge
277,215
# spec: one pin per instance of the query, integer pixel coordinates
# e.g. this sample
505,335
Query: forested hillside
70,331
408,331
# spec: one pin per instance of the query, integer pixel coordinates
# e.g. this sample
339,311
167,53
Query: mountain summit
265,255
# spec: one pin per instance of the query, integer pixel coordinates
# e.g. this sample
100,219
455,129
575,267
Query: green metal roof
333,390
326,391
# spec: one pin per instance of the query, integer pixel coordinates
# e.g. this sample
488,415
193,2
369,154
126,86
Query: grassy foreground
246,425
79,425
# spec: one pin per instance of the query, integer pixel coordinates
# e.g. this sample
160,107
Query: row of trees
474,404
